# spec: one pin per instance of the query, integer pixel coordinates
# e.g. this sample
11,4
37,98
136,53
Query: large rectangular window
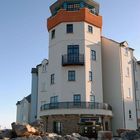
77,98
69,28
52,78
90,75
54,99
73,53
71,76
93,55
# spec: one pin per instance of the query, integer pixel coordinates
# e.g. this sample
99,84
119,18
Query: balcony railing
79,105
72,59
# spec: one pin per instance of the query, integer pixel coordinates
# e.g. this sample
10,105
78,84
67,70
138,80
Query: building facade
88,78
23,110
137,88
118,83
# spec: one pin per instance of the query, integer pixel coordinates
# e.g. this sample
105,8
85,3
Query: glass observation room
75,5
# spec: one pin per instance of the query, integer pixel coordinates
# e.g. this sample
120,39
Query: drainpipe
135,93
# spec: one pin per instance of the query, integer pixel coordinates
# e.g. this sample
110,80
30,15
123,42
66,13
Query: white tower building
71,86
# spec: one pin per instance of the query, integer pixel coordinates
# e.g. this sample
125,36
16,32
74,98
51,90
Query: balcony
70,105
72,59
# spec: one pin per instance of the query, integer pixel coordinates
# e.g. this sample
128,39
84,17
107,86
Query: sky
24,42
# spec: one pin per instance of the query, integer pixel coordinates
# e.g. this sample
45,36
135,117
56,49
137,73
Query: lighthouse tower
72,96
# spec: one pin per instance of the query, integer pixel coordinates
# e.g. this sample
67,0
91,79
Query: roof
28,98
120,43
34,70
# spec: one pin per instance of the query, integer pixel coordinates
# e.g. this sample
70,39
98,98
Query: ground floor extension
87,125
84,118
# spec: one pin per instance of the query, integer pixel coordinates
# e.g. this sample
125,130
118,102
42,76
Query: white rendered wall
112,81
93,42
137,79
23,112
63,88
116,84
128,84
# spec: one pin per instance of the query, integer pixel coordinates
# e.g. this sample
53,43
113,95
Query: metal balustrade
72,59
72,105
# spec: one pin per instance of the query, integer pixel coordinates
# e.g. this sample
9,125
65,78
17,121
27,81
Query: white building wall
128,87
58,47
23,112
112,87
93,42
43,81
63,88
118,80
137,88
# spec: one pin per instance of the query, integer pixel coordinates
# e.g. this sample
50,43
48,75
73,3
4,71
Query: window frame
71,75
77,98
69,30
90,76
52,79
53,34
129,93
53,99
93,98
93,55
130,114
90,29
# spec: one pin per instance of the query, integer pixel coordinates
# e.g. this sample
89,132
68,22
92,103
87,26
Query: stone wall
69,123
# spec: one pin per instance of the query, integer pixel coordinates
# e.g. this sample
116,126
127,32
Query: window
126,51
54,99
69,28
136,85
73,53
106,126
130,114
90,75
135,66
90,29
44,67
54,102
77,98
93,55
71,75
92,98
128,71
73,7
43,87
52,78
129,93
53,34
57,127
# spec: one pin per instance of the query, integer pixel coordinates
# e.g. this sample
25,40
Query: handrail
79,105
